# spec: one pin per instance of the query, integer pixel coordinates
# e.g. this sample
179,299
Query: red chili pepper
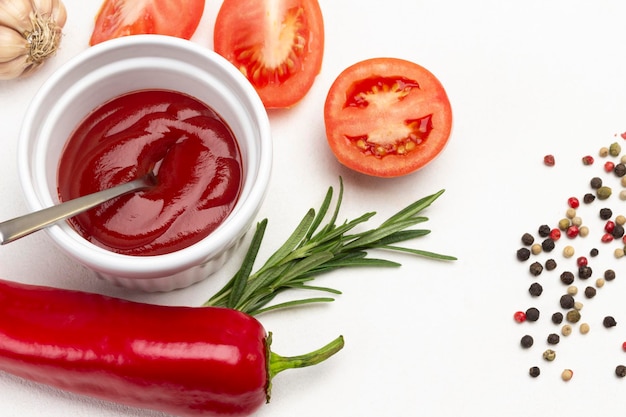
187,361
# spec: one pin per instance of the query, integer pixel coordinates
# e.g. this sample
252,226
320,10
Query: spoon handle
18,227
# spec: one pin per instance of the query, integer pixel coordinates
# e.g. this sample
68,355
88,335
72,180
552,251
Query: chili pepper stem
278,363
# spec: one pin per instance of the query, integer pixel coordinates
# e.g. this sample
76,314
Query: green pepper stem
277,363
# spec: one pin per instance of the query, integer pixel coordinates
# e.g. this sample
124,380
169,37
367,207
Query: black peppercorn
535,289
528,239
606,213
590,292
547,245
550,264
534,371
557,318
618,231
567,277
567,301
584,272
594,252
526,341
544,230
620,169
596,182
609,321
589,198
609,275
532,314
523,254
536,268
620,371
553,338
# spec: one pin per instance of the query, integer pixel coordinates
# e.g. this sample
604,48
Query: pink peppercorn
548,160
572,231
555,234
609,226
624,346
587,160
581,261
573,202
609,166
607,237
519,316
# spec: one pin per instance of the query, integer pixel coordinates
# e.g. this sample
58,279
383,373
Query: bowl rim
151,266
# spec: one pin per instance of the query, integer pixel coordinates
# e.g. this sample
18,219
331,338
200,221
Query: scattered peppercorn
624,346
578,305
609,166
550,264
600,282
544,230
535,249
532,314
585,272
523,254
587,160
528,239
609,321
547,245
603,152
607,238
534,371
620,371
527,341
557,318
536,268
572,290
567,277
615,149
519,316
620,170
549,160
566,330
604,192
618,231
567,374
582,261
568,251
555,234
553,339
584,328
606,213
573,202
535,289
609,275
564,224
589,198
573,316
594,252
549,355
572,231
566,301
590,292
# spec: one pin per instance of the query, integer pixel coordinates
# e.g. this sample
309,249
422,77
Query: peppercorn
568,251
609,165
532,314
549,160
572,290
620,219
619,253
534,371
618,231
582,261
573,316
609,321
557,318
589,198
535,289
544,230
615,149
535,249
566,330
620,371
555,234
596,182
620,170
584,328
564,224
577,221
549,355
571,212
526,341
606,213
594,252
585,272
600,282
587,160
553,339
578,305
572,231
566,301
523,254
547,245
603,152
519,316
603,192
609,275
536,268
567,277
550,264
528,239
583,231
567,374
590,292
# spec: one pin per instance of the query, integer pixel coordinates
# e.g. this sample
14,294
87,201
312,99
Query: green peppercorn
557,318
549,355
534,371
573,316
620,371
526,341
615,149
564,224
609,321
604,192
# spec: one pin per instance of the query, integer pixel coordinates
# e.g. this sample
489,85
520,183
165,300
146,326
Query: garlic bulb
30,31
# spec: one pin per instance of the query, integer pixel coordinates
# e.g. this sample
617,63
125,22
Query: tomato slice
387,117
118,18
277,44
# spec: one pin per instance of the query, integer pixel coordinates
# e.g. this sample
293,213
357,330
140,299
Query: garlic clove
15,68
15,14
13,44
59,13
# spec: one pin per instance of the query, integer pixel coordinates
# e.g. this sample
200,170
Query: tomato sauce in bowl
189,146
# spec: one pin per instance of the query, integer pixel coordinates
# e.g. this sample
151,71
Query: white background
525,78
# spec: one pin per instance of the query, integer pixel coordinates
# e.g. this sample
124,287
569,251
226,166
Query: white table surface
434,339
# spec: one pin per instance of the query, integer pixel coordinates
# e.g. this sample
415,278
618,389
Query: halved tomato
118,18
387,117
277,44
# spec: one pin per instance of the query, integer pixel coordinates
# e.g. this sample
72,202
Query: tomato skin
247,34
187,361
117,18
376,104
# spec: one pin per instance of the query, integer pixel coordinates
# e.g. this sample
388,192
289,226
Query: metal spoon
14,229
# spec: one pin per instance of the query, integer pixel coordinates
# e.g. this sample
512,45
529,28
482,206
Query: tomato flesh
116,18
277,45
387,117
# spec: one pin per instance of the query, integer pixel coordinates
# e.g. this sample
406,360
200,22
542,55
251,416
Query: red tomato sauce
189,146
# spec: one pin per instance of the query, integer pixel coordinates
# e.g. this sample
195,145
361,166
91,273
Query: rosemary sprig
311,250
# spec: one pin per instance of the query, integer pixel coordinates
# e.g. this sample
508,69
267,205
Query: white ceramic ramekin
131,63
